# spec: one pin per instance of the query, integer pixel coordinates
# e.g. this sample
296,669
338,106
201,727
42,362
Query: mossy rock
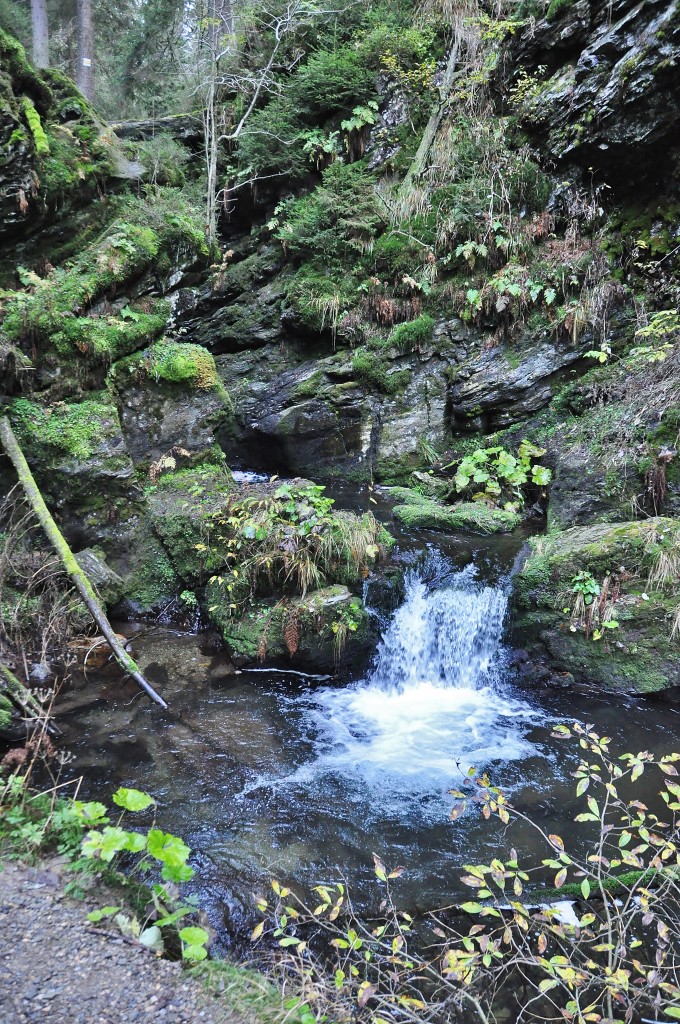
640,655
71,436
327,627
181,506
468,516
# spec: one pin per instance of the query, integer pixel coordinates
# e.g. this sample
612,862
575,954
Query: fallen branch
78,577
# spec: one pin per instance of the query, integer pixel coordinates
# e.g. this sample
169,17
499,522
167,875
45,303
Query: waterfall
436,701
449,636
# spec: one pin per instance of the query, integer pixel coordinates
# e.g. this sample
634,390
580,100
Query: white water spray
435,702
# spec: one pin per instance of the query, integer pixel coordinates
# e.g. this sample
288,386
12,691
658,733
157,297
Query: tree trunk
85,65
41,34
80,580
420,159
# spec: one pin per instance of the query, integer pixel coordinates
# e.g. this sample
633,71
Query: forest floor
57,968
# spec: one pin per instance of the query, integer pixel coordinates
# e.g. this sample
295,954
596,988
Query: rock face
604,91
622,565
497,387
156,418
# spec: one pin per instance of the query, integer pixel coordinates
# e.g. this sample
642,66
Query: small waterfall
434,703
449,637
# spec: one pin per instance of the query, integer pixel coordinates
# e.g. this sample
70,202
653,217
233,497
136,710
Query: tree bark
41,34
420,159
17,690
80,580
85,65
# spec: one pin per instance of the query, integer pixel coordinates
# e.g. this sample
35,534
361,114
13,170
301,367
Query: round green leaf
132,799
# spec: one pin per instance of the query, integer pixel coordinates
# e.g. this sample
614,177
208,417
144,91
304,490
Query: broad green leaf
168,849
132,799
91,812
193,935
99,915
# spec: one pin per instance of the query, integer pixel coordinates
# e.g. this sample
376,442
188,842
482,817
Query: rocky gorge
327,340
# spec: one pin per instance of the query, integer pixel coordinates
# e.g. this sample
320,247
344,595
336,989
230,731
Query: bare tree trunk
420,159
41,34
85,65
80,580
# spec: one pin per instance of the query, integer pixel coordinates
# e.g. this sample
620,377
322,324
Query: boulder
320,631
417,510
634,570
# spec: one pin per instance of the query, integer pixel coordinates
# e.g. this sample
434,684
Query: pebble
54,971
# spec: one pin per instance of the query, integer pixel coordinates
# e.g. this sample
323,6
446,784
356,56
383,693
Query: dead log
68,560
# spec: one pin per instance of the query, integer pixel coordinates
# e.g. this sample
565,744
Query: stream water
272,774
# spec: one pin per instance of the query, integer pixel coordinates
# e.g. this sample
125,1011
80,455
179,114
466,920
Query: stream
272,774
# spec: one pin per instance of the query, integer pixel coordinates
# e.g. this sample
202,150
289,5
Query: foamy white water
434,703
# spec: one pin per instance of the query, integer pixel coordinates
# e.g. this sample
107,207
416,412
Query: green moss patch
469,516
636,568
317,629
72,429
42,146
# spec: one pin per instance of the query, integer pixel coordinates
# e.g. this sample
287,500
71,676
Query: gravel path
55,970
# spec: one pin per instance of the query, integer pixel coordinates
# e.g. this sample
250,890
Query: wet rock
498,387
157,417
318,632
581,490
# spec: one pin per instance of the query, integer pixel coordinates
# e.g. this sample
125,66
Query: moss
310,387
637,656
374,371
153,578
26,78
183,363
153,233
181,507
42,146
74,429
409,337
325,620
470,516
111,337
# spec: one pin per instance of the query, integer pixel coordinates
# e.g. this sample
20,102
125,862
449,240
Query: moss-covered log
80,580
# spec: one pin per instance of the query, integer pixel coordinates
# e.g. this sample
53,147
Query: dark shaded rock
156,417
498,387
582,489
610,98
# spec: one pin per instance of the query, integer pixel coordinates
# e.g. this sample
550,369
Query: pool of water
269,774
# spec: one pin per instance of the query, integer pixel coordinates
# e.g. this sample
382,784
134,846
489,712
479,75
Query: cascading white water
434,703
449,637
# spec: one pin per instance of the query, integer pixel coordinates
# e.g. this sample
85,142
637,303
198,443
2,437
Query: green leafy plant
146,852
496,476
291,541
585,584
